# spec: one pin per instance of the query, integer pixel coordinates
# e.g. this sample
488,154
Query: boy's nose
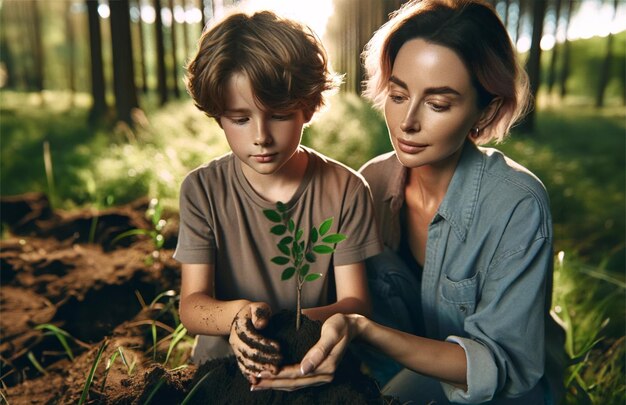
263,136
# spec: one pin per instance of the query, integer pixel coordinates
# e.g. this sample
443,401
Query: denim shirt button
462,308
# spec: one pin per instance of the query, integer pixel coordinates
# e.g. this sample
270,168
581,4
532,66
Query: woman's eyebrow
237,111
429,90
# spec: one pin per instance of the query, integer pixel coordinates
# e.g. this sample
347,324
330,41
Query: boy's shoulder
328,166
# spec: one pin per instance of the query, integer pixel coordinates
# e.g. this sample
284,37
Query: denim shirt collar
459,204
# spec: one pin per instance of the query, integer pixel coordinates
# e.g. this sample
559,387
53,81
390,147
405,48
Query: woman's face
431,105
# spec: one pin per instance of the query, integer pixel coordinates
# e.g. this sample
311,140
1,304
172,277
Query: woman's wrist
357,325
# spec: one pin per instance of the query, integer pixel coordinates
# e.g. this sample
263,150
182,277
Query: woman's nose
410,122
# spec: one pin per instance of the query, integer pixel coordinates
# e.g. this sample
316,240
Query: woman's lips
410,147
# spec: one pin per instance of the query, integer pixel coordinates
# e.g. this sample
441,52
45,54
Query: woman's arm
352,294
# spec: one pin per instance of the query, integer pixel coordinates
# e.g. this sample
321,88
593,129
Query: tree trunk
565,68
520,17
533,64
71,44
99,106
37,48
6,54
123,69
173,52
142,52
160,48
605,71
555,49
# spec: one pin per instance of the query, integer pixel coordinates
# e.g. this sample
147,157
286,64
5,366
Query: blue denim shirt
487,277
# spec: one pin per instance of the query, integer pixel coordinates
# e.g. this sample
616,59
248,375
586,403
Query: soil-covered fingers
254,353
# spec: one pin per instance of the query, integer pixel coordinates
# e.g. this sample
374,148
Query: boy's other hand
254,353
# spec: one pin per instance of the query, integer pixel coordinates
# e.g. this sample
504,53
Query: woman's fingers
290,379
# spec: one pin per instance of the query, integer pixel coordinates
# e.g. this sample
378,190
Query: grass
577,151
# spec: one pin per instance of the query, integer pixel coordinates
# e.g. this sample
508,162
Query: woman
472,227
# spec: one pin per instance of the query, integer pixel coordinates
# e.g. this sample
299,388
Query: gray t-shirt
222,223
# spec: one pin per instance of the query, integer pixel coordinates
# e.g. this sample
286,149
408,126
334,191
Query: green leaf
310,257
312,276
281,207
334,238
286,240
278,229
299,234
280,260
304,270
284,249
314,235
295,249
292,225
288,273
325,226
272,215
323,249
129,233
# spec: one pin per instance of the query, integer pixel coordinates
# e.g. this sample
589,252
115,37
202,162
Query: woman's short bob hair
285,62
472,29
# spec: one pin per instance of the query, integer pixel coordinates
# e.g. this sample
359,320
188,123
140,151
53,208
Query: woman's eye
396,99
439,107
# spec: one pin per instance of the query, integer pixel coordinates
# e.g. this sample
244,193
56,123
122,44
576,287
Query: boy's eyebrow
429,90
237,111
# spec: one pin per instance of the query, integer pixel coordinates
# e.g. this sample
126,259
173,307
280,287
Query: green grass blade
92,372
195,388
60,335
37,365
178,335
128,233
154,390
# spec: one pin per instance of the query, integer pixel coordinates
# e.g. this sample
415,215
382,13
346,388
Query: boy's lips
264,157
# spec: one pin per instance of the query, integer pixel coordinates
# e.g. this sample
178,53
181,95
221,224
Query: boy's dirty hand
254,353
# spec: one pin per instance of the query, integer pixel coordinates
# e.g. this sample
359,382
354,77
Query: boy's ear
308,114
489,113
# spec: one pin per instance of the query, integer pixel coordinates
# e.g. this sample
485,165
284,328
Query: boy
262,78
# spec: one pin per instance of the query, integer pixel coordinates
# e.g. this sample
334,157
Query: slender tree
605,70
6,51
174,51
71,47
160,48
37,47
98,106
565,67
555,49
142,50
123,69
533,66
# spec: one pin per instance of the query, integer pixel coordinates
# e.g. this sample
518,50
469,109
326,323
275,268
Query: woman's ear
489,113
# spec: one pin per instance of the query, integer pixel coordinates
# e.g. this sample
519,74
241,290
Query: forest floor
119,339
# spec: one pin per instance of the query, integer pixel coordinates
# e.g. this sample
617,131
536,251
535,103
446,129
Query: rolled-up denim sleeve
505,340
482,373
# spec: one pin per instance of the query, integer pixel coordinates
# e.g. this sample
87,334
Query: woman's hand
318,366
254,353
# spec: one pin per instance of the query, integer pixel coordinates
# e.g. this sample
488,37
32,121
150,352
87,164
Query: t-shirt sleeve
196,242
359,225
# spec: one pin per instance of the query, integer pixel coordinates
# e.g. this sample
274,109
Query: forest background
94,114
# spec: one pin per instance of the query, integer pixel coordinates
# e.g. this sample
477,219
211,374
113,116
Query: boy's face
263,140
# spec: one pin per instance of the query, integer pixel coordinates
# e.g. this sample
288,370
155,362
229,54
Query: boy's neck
282,184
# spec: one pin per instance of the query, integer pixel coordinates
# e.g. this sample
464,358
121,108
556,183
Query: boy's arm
202,314
199,311
352,294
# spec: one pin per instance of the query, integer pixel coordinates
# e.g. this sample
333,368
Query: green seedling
298,253
193,390
92,372
177,336
35,363
154,390
61,335
154,212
